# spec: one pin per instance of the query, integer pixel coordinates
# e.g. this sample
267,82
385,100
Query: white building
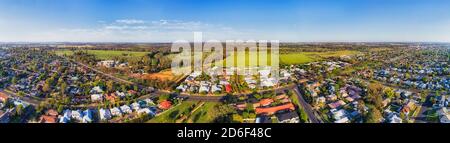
126,109
105,114
116,112
135,106
107,63
146,111
216,88
444,116
96,97
77,115
96,90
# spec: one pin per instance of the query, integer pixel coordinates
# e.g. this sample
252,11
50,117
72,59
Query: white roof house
149,101
116,111
67,115
182,87
339,114
267,82
105,114
126,109
223,82
107,63
77,115
195,74
216,88
342,120
120,94
64,120
96,97
96,89
265,72
135,106
146,111
204,87
395,119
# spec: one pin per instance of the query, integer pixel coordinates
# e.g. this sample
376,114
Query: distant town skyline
167,21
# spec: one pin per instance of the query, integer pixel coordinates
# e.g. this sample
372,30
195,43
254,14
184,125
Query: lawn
171,115
286,58
106,54
297,58
203,114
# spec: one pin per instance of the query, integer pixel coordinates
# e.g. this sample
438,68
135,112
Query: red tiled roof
265,102
3,96
47,119
111,98
228,88
52,112
132,92
272,110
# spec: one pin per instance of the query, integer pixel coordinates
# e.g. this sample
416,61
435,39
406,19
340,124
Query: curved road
306,107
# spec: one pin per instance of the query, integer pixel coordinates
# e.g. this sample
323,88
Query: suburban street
27,100
305,106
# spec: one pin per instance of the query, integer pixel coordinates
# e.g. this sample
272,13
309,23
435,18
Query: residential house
149,101
126,109
340,116
165,105
204,87
444,116
263,119
96,90
77,115
107,63
96,97
112,98
394,118
135,106
182,88
122,94
87,118
146,111
265,102
116,112
67,115
216,88
105,114
272,110
5,116
47,119
3,97
336,104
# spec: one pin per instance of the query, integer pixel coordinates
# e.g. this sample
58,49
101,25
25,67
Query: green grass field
290,58
306,57
171,115
297,58
106,54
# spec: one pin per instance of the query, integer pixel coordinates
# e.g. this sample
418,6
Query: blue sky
169,20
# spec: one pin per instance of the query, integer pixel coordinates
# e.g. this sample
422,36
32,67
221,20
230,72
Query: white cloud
130,21
131,30
141,31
